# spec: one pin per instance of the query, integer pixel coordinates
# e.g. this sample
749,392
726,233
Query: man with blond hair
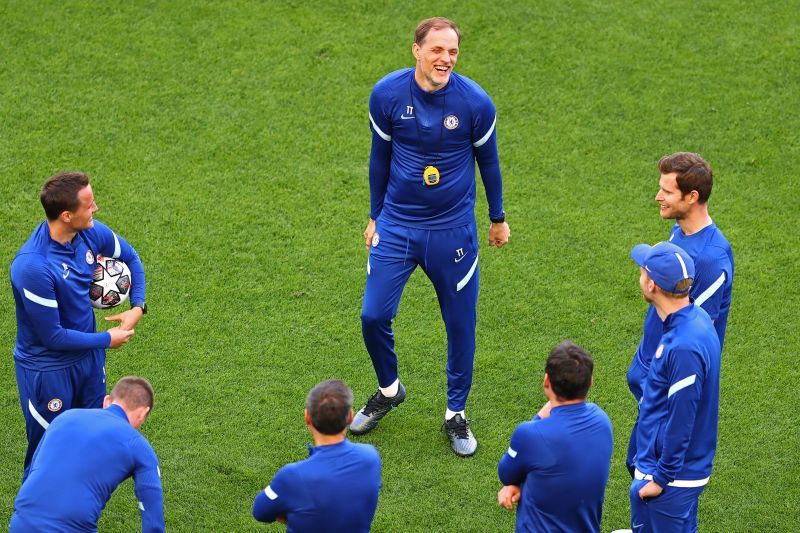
429,128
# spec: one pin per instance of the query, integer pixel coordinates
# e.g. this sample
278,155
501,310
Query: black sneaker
377,407
461,438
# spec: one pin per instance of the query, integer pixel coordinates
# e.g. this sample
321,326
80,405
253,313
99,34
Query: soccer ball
111,283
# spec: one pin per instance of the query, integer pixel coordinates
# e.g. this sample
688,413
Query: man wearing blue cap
683,192
676,433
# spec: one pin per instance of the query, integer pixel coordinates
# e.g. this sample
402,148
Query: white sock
391,390
450,414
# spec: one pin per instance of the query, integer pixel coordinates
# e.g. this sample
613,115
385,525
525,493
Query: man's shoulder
719,244
37,243
692,333
599,413
465,83
97,229
367,451
397,80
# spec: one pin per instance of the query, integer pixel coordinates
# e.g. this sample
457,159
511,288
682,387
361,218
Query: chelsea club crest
451,122
89,257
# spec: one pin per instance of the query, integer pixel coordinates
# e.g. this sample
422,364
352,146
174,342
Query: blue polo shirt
562,464
84,456
51,283
676,434
450,129
335,489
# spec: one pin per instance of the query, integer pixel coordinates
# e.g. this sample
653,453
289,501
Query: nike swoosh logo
405,117
460,258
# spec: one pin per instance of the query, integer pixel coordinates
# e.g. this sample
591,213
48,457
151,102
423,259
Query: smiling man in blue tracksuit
59,354
676,433
429,127
683,192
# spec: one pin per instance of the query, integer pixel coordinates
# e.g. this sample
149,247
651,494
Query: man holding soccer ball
59,355
429,127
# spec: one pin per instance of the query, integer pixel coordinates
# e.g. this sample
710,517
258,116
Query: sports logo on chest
450,122
89,257
659,351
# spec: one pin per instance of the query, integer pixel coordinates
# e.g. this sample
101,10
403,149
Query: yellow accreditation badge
430,176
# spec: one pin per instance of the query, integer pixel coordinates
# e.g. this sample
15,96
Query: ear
107,402
693,197
415,50
307,417
350,417
546,382
651,285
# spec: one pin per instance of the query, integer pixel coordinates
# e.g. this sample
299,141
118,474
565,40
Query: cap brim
639,253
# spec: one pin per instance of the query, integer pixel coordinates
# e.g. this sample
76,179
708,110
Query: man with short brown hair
685,186
59,355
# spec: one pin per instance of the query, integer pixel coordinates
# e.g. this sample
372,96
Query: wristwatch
141,305
500,219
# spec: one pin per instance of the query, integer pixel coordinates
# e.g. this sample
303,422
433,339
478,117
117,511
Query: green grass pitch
229,142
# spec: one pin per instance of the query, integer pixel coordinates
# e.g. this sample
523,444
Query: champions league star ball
111,283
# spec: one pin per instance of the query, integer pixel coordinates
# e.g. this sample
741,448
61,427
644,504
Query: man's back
562,463
335,489
84,455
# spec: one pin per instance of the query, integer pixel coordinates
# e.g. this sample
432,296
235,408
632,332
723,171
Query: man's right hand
368,233
119,336
508,496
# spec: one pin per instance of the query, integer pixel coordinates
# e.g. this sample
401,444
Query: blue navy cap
665,263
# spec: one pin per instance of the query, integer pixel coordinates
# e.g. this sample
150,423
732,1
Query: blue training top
84,455
676,435
711,289
335,489
562,464
448,129
51,283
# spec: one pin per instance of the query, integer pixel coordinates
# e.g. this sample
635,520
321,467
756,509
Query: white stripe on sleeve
709,292
485,138
383,136
39,300
117,249
270,493
682,384
512,452
141,506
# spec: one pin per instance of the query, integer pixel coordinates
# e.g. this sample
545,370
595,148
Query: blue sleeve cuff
661,480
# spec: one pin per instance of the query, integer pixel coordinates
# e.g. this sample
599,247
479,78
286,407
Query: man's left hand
499,233
651,490
127,319
508,496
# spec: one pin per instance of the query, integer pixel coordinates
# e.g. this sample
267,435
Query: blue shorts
43,395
